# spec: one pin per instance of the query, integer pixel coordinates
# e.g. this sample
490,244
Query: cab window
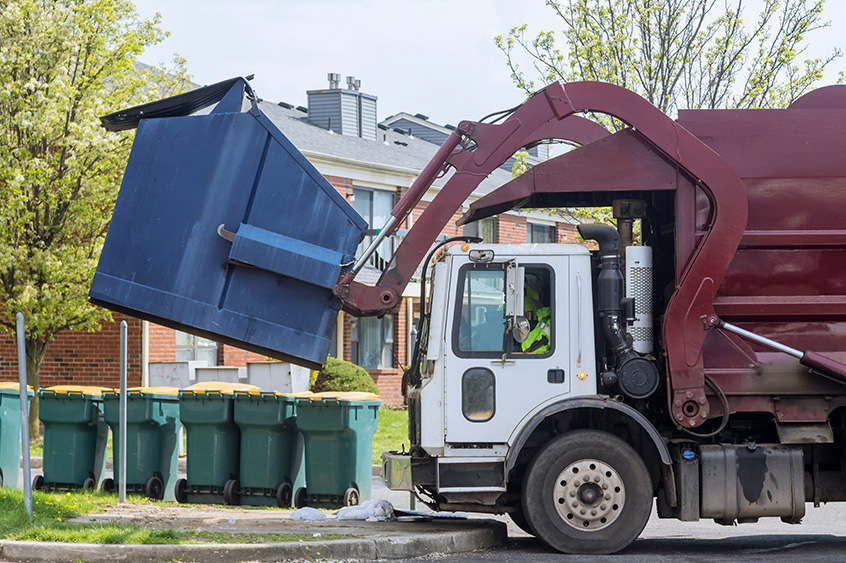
481,312
481,324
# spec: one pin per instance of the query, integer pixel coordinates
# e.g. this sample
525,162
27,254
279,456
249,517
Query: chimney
346,111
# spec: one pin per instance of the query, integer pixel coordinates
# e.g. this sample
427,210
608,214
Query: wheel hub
589,495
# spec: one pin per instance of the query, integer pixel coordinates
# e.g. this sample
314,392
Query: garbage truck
689,359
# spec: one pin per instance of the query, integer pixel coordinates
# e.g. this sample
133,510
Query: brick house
371,165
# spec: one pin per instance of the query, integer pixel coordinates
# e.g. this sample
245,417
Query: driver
538,341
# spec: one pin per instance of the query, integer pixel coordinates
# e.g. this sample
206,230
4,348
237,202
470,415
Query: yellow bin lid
223,387
147,390
12,385
88,390
343,396
257,391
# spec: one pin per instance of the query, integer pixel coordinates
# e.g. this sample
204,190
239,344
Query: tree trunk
35,350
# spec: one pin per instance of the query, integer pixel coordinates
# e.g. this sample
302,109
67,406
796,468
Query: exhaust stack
639,288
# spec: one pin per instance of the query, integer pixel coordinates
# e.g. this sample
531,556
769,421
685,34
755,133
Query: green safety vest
539,341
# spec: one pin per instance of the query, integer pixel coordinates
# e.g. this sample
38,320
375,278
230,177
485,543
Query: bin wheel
283,495
351,497
154,488
38,482
89,484
300,498
180,490
108,485
231,492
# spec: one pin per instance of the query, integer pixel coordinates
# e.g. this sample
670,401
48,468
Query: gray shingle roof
410,153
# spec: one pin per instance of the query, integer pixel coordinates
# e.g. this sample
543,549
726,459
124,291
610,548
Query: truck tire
587,492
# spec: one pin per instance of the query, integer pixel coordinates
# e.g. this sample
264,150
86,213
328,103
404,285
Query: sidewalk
378,541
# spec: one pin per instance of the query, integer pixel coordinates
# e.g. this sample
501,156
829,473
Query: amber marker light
582,375
464,247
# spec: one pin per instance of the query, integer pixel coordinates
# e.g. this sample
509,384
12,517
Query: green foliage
63,64
338,375
675,53
391,434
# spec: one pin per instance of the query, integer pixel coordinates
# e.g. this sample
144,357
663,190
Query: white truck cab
510,331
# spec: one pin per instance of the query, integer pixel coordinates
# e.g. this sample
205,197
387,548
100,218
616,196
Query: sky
435,57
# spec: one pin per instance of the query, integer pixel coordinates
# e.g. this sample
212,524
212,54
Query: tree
677,53
64,63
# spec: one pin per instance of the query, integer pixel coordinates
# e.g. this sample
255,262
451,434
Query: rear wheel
232,492
300,498
108,485
351,497
154,488
587,492
283,495
38,483
180,490
89,484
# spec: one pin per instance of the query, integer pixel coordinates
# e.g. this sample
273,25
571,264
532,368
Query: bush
338,375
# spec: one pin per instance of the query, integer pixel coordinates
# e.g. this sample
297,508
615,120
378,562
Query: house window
372,342
190,347
485,228
541,233
375,207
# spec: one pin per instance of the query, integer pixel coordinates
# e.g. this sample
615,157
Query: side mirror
480,256
520,329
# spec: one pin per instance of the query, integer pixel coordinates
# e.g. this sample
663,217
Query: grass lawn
392,433
52,510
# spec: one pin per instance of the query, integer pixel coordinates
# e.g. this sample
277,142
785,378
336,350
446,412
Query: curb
474,534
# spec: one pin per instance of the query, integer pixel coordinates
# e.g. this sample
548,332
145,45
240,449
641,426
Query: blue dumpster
222,228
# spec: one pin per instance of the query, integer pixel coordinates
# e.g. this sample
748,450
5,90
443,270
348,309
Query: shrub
338,375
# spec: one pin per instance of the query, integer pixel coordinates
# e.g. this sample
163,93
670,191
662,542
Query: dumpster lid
88,390
175,106
343,396
11,386
224,387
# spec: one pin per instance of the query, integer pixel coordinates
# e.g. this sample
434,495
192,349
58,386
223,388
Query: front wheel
587,492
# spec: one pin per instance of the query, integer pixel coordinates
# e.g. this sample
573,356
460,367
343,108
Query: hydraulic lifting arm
476,149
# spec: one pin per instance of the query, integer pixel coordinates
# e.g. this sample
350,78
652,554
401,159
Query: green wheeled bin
10,433
207,411
152,440
338,429
75,437
271,461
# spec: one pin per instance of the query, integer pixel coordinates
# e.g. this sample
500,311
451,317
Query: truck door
492,380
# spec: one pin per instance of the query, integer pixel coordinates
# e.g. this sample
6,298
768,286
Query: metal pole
24,416
122,431
761,340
